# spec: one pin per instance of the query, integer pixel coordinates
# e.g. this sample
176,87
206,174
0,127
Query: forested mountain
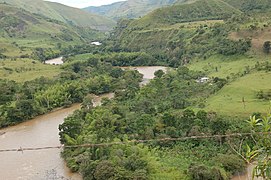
250,5
63,13
179,13
130,8
179,31
22,33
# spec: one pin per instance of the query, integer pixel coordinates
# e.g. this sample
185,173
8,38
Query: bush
264,95
104,170
229,47
201,172
231,163
267,47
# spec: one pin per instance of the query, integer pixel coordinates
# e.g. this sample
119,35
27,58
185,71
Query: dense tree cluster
20,102
121,59
157,110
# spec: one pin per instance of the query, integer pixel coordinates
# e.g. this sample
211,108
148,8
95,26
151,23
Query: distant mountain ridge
131,8
21,32
170,32
136,8
180,12
63,13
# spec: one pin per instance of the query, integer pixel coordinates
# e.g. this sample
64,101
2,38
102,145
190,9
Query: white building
203,80
96,43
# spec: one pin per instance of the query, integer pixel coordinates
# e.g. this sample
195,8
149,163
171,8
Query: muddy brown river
41,131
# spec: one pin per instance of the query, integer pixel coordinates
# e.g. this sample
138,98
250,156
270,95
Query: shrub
231,163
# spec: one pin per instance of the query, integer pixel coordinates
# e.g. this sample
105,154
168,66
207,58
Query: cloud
84,3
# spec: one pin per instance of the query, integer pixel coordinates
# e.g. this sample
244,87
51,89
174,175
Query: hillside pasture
239,97
258,37
22,70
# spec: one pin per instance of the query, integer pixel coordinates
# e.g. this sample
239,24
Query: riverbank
41,131
38,132
247,175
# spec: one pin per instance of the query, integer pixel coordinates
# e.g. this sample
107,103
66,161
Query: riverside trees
20,102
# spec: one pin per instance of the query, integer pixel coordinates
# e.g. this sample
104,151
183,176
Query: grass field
222,66
25,70
229,100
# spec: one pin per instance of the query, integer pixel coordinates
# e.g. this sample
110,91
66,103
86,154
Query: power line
21,149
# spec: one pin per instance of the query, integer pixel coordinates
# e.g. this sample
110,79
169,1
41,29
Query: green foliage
231,163
157,110
267,47
265,95
261,147
119,59
29,99
200,172
61,13
176,45
7,91
229,47
25,34
128,9
250,5
195,11
159,73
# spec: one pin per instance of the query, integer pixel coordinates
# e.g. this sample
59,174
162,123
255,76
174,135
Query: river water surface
147,71
41,131
56,61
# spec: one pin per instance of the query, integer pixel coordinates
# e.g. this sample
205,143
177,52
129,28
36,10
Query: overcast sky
84,3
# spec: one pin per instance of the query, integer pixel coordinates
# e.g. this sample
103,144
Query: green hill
177,31
250,5
197,11
222,39
63,13
195,28
21,32
130,8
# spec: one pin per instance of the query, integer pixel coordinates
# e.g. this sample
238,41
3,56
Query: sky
84,3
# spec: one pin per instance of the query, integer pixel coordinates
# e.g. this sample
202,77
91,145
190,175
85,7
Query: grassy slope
248,5
82,18
22,31
130,8
199,10
257,29
155,30
221,66
26,70
63,13
229,99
